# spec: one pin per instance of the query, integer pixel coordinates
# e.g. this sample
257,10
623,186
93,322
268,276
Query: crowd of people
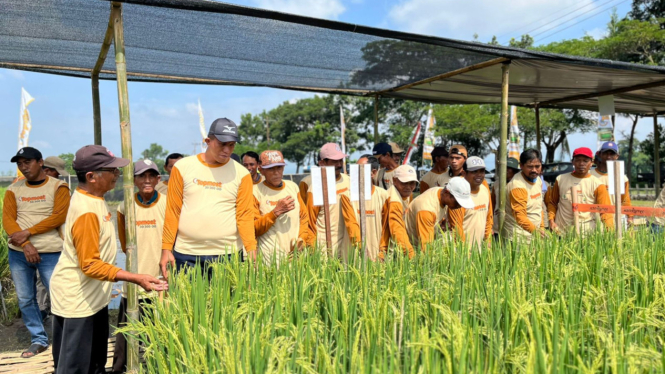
213,208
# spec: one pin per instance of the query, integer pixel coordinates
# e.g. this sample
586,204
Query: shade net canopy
208,42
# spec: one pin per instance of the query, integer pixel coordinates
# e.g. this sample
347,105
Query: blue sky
166,114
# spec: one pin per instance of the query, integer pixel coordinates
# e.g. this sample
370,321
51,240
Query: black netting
207,42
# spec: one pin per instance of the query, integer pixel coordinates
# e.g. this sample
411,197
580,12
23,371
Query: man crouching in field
282,220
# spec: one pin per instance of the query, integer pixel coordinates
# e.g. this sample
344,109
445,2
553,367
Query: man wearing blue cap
609,151
384,154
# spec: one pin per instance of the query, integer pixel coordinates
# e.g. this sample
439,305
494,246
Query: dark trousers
120,351
79,344
183,261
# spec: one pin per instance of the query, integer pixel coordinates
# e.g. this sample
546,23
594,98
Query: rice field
558,306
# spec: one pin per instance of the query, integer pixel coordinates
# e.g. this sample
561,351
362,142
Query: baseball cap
513,163
461,191
271,159
439,152
56,163
224,130
27,153
381,149
474,163
458,149
332,151
406,174
610,146
583,151
95,157
395,148
142,166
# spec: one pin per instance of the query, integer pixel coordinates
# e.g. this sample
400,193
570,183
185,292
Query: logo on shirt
33,199
208,185
480,207
107,218
271,203
535,196
370,213
146,224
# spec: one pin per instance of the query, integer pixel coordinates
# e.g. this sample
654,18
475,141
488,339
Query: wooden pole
326,208
656,154
127,180
618,223
376,119
361,205
538,138
503,144
96,108
576,214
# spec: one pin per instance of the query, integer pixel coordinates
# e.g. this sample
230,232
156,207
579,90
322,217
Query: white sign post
615,172
360,189
323,181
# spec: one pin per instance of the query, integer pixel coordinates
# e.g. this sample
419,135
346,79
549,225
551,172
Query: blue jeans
183,261
24,277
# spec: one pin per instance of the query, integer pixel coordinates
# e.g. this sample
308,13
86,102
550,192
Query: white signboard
606,105
355,182
610,178
317,185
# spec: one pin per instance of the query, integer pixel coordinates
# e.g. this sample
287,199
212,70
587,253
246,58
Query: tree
69,159
156,154
644,10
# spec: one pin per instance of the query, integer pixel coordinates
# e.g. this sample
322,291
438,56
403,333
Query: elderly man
33,210
150,209
282,219
609,151
438,176
591,191
384,153
427,210
331,155
400,196
218,218
251,161
82,281
162,186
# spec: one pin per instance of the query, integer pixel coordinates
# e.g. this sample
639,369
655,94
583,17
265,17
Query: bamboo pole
96,107
503,145
127,180
618,224
538,137
576,214
326,208
656,154
376,119
361,206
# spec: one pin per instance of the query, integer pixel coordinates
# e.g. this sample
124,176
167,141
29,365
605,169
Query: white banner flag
428,145
202,128
25,123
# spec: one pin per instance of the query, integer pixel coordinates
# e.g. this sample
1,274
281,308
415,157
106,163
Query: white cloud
330,9
462,19
40,144
598,33
16,74
192,108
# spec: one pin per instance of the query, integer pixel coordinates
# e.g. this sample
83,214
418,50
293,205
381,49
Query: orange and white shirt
209,209
524,208
477,222
303,186
375,218
423,216
396,231
277,236
149,228
604,179
162,187
387,181
433,179
40,209
339,219
560,203
82,280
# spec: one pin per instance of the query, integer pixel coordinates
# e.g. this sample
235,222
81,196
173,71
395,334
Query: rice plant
564,305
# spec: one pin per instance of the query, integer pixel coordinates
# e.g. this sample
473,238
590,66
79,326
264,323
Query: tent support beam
538,136
503,144
376,119
127,179
96,107
448,74
656,154
605,93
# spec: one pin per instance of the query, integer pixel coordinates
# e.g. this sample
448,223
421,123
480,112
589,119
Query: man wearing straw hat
55,167
210,205
150,208
33,211
398,152
590,191
282,220
82,280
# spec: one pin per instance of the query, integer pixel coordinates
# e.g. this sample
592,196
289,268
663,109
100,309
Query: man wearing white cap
331,155
427,210
399,198
477,220
282,221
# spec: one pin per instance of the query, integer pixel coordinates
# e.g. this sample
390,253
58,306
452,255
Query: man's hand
18,238
542,233
167,258
150,283
31,254
284,205
553,226
252,255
